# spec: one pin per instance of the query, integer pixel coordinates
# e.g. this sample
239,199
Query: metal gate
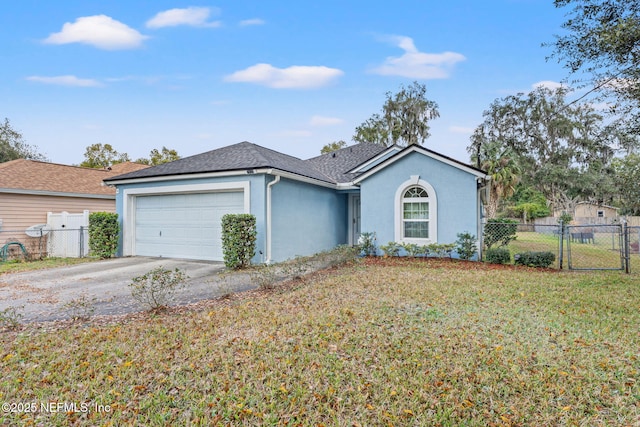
595,247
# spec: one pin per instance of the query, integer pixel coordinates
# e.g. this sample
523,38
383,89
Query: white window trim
433,211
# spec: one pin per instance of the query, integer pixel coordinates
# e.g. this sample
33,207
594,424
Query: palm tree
501,165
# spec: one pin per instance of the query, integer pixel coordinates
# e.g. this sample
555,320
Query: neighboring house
592,210
301,206
29,189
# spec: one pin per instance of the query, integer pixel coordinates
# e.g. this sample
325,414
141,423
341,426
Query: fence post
81,254
625,244
560,249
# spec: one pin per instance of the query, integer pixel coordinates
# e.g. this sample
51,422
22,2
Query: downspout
268,233
482,185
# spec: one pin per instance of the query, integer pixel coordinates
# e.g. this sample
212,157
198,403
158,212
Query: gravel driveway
41,295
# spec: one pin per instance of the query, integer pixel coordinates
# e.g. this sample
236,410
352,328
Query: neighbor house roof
33,176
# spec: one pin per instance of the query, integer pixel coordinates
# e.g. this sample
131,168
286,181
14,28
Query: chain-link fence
62,242
575,247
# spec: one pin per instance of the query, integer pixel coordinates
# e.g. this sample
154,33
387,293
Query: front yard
382,342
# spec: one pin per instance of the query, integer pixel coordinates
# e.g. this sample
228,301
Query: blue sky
288,75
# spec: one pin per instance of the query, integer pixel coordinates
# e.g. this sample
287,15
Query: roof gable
32,175
426,152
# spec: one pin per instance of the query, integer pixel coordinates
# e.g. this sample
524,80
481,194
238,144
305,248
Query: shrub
265,276
498,256
238,239
156,288
466,245
534,259
10,318
367,243
391,249
413,250
103,234
440,250
81,308
499,232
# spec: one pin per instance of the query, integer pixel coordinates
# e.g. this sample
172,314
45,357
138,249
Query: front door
355,218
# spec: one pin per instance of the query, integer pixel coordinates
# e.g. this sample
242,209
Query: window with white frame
415,213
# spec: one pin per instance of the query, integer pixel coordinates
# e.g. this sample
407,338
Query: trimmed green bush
498,256
238,239
104,231
535,259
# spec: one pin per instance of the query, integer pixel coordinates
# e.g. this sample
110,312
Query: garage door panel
184,225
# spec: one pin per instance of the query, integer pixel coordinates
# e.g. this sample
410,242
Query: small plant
156,288
498,256
238,239
298,267
441,250
265,276
81,308
367,243
412,249
391,249
466,245
104,231
10,318
534,259
565,218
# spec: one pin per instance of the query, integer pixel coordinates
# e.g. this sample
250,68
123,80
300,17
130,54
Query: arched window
415,213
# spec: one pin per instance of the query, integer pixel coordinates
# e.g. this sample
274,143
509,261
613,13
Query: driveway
41,295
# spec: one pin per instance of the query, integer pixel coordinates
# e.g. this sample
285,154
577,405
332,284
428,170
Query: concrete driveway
42,295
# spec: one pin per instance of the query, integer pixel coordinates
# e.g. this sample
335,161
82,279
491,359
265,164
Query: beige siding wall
585,210
20,211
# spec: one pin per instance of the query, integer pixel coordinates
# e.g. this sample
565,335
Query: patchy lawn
18,266
384,342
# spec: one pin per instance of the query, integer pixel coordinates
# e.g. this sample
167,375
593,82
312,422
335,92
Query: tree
333,146
602,41
404,120
12,145
159,157
501,165
626,177
101,156
563,149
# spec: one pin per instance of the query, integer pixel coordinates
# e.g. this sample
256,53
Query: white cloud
192,16
100,31
415,64
549,84
461,129
253,21
65,81
295,77
325,121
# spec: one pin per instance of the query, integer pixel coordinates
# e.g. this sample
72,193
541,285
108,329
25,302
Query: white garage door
184,225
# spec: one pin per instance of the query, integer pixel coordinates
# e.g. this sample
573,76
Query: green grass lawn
384,342
603,252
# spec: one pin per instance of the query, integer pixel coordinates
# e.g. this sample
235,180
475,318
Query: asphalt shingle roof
337,163
245,155
34,175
